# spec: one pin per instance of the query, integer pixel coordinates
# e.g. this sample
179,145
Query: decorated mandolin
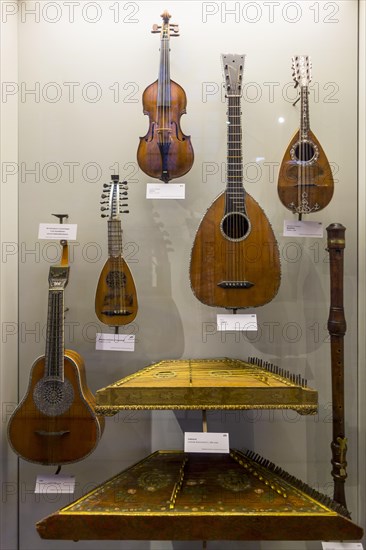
165,152
235,260
116,297
305,182
55,423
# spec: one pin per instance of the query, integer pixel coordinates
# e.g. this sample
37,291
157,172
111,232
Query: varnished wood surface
318,178
82,426
208,384
123,297
181,156
175,496
214,259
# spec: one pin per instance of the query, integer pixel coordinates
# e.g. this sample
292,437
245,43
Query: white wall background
68,142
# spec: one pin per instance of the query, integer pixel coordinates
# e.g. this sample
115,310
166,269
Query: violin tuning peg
156,28
124,211
124,205
103,209
104,216
106,185
103,196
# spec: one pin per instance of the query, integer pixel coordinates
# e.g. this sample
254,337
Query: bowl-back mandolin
305,182
116,297
235,259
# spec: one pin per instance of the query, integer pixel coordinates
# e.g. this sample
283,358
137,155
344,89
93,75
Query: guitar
55,423
305,181
235,259
165,152
116,297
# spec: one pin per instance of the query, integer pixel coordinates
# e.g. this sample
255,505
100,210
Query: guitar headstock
301,70
58,277
167,29
233,67
113,195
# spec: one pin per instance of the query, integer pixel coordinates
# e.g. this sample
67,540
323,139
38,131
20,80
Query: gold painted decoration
208,384
171,495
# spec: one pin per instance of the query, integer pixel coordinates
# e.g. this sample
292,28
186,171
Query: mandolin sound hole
116,279
304,151
53,397
235,226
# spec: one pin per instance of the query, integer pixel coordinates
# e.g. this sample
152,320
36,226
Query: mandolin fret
305,117
115,246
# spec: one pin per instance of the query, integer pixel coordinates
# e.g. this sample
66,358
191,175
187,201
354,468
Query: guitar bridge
235,284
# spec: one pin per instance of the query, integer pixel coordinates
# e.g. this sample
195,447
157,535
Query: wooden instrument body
116,292
72,435
180,154
313,177
215,259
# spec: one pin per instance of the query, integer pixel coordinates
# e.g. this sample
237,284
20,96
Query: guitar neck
164,95
55,342
235,193
115,246
305,120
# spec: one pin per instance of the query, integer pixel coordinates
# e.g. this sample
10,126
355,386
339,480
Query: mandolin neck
164,95
55,340
115,246
235,193
305,120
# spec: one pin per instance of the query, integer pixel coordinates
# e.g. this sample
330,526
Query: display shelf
208,384
171,495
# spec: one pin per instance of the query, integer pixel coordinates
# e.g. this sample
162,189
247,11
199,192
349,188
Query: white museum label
244,321
293,228
58,231
166,191
115,342
58,484
342,546
206,442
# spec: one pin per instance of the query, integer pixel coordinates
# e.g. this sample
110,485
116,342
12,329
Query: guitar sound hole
304,152
53,397
235,226
116,279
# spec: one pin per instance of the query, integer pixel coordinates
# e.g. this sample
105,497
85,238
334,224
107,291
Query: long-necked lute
116,297
235,259
165,152
337,329
55,423
305,182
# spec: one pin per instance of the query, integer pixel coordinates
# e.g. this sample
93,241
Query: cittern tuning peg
124,193
104,216
104,196
103,202
106,185
103,209
125,187
124,205
156,28
124,211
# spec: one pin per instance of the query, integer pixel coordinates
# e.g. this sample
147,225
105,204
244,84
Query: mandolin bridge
117,313
235,284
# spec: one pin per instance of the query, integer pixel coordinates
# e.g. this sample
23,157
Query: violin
165,152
